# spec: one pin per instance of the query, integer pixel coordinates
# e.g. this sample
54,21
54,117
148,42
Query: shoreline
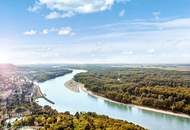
140,107
81,86
39,94
72,85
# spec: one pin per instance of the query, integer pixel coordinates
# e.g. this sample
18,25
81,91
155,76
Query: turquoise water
67,100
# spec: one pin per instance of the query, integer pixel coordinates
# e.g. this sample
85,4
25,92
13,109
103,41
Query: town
15,89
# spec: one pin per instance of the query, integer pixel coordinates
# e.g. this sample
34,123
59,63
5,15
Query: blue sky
89,31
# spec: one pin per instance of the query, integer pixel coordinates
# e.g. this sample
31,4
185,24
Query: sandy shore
73,85
81,86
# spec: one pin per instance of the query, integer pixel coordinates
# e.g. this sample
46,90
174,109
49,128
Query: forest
151,87
41,73
48,119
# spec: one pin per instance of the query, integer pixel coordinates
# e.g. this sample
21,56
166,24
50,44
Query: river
67,100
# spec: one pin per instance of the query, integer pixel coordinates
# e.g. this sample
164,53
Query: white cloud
163,46
67,14
45,31
146,25
177,23
30,33
156,15
168,24
68,8
146,43
35,7
79,6
57,15
123,1
151,51
53,15
130,52
122,13
65,31
127,52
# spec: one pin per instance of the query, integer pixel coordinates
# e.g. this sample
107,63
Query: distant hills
7,68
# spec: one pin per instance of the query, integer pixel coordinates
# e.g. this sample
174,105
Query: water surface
67,100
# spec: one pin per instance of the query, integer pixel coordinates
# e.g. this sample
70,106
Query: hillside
48,119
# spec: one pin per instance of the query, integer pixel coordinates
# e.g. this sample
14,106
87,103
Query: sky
94,31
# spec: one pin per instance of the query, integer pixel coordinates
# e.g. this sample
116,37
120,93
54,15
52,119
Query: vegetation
162,89
46,118
43,73
79,121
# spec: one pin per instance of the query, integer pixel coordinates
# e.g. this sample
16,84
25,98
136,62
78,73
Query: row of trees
162,89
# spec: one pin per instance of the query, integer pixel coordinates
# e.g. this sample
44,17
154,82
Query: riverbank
38,94
73,84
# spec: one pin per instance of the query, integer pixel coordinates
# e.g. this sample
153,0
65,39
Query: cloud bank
69,8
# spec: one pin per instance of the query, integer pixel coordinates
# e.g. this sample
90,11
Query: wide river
67,100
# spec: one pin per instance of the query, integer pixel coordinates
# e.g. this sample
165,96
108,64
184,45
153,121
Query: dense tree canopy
43,73
162,89
79,121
